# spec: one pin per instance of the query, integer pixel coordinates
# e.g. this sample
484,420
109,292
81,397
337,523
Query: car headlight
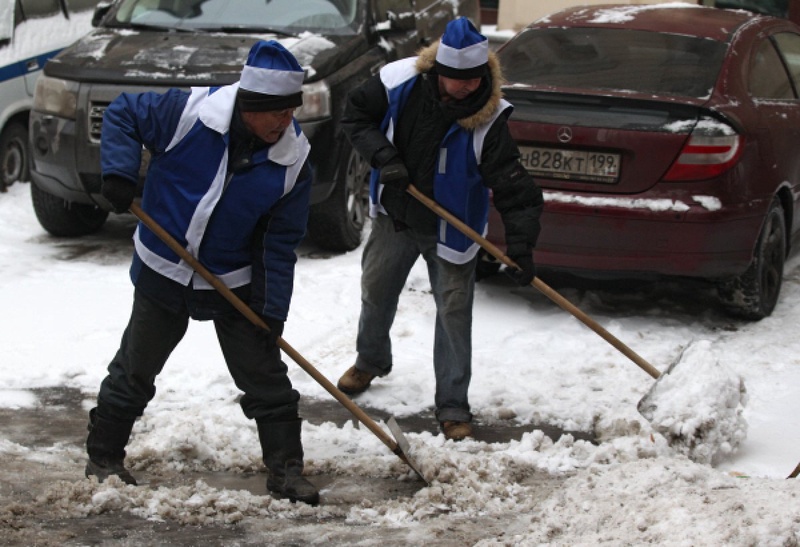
56,96
316,102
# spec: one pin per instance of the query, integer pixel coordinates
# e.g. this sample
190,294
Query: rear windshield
291,16
618,59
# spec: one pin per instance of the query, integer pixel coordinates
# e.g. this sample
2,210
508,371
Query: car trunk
565,139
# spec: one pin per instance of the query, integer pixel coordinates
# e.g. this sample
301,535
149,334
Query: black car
142,45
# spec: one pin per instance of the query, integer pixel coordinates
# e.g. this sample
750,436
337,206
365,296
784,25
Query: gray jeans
386,262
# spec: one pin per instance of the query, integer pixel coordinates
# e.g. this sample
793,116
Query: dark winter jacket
407,119
243,226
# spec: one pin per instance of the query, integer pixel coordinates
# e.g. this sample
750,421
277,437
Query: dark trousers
154,331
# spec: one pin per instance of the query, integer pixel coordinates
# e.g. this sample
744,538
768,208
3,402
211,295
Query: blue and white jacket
213,215
458,184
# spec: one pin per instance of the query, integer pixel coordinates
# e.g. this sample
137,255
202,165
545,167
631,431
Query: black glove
394,174
118,192
526,272
275,330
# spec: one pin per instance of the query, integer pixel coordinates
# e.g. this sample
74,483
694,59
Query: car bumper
54,168
598,236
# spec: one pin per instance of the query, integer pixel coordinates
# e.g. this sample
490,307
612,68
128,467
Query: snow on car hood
181,59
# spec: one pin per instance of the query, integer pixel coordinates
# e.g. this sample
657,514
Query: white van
31,31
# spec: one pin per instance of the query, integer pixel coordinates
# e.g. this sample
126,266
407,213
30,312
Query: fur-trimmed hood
425,62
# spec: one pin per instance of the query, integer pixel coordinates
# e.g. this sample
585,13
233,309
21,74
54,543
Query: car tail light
709,152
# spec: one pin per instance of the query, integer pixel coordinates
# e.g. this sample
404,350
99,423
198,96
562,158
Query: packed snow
533,364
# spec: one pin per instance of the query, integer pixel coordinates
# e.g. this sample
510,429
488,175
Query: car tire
63,219
754,294
337,223
14,155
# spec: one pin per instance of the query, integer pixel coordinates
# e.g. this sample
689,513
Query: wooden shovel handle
543,287
256,320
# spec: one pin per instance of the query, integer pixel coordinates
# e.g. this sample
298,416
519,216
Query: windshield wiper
161,28
246,29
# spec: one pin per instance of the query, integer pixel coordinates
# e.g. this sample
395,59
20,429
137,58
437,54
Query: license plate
564,164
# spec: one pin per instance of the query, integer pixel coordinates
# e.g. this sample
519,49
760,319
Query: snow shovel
698,441
543,287
399,447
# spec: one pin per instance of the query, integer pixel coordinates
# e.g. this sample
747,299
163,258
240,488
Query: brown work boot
456,431
354,381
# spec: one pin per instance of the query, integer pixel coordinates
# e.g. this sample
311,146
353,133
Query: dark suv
140,45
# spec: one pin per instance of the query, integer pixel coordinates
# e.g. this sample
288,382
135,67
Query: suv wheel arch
64,219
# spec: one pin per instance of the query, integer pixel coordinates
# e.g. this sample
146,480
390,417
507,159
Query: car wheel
337,223
14,158
754,294
63,219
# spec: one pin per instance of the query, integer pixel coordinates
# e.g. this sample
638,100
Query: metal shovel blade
405,447
647,404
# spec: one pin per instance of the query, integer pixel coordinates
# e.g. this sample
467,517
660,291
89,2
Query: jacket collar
426,61
216,113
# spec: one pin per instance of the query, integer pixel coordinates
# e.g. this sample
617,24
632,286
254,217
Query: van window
81,5
6,20
40,8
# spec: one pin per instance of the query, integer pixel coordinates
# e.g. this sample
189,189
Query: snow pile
698,405
630,490
662,501
198,459
195,504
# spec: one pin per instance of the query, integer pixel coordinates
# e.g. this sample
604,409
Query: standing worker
438,121
230,181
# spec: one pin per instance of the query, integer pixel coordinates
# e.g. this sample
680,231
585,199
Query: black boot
283,456
106,448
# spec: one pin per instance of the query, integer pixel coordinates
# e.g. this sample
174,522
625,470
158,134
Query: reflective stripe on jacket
212,214
458,184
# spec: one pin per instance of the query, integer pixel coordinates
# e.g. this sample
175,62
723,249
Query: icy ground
66,303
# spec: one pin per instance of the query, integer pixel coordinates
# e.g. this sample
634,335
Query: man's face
458,90
268,126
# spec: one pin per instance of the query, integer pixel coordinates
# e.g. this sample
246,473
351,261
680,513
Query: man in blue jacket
229,179
437,120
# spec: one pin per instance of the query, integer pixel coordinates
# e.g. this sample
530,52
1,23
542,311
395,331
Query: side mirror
402,21
100,12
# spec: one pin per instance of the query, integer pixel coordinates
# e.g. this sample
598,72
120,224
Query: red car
667,141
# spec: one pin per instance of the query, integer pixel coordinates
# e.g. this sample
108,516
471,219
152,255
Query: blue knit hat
463,52
271,79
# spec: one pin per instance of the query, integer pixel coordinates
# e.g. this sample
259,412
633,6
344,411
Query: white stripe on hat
271,81
462,59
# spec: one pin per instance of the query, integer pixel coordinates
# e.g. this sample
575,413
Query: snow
533,364
35,36
628,13
623,203
698,405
